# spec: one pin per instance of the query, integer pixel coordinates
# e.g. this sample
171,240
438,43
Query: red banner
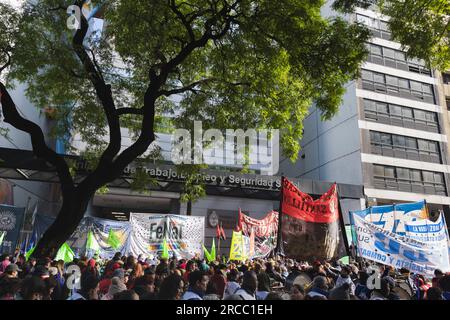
301,205
310,229
265,227
262,233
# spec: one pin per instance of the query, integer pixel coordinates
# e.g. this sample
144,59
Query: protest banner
310,228
184,234
265,233
11,219
386,247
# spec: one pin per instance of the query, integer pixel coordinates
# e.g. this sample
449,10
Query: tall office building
390,134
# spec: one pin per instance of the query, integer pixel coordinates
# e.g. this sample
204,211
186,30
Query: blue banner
11,219
393,218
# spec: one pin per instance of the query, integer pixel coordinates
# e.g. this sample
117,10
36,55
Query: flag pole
278,248
220,230
341,220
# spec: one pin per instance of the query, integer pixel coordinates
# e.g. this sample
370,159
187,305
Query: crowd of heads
148,278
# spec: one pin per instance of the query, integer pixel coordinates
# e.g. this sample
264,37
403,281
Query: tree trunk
68,219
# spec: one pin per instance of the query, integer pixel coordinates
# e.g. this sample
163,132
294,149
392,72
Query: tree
421,26
232,64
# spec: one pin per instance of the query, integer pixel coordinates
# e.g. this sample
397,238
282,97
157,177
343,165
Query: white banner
422,251
184,234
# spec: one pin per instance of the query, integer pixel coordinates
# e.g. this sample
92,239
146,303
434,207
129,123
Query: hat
13,267
116,286
119,273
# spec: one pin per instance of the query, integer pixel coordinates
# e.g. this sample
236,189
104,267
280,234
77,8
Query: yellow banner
236,250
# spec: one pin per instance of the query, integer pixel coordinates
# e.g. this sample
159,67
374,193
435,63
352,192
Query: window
398,141
447,101
392,81
375,137
376,50
400,56
426,88
389,172
423,144
428,176
415,175
378,171
369,105
430,116
395,110
378,77
420,115
407,113
416,86
382,107
446,78
384,26
403,173
410,143
439,178
367,75
385,138
389,53
403,83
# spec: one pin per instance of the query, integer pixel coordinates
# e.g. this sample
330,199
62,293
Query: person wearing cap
116,286
11,271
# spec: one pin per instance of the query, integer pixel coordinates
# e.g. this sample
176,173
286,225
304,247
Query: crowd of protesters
148,278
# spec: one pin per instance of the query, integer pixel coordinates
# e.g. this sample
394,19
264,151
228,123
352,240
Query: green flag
2,236
345,260
65,253
213,251
207,254
165,253
91,243
113,239
29,253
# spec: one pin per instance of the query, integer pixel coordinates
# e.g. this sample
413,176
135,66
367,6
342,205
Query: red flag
218,232
224,237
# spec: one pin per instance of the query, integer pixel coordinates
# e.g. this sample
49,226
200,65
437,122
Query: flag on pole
65,253
220,233
29,253
210,255
91,243
113,239
165,253
2,236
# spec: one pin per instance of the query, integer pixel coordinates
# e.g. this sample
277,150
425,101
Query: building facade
390,134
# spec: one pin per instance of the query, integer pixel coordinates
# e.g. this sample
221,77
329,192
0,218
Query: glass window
375,137
367,75
389,53
420,115
415,175
407,113
411,143
430,116
403,173
392,81
403,83
385,138
426,88
433,146
384,26
423,144
382,107
369,105
400,56
398,141
378,171
395,110
389,172
378,77
374,49
416,86
428,176
438,178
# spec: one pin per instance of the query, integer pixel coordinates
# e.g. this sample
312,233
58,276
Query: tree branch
183,20
103,92
40,148
122,111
